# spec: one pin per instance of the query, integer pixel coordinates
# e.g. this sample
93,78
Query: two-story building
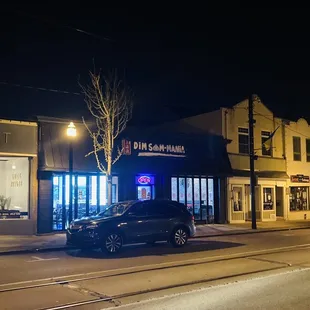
270,166
297,146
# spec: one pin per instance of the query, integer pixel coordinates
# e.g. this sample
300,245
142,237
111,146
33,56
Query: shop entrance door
145,187
144,192
279,201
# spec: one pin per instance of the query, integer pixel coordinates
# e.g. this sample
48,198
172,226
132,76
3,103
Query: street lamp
71,133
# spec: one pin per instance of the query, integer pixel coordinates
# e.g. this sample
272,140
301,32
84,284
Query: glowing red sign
143,179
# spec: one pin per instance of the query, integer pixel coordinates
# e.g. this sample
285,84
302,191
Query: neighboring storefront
18,179
269,196
186,168
298,197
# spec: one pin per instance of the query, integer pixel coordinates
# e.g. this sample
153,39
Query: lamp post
71,133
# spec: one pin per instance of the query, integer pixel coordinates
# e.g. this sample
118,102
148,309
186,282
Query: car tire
112,243
179,237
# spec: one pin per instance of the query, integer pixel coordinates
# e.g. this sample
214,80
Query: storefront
186,168
298,197
18,182
270,196
189,168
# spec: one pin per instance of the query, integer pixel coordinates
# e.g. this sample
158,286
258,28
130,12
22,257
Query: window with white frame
243,140
268,198
296,149
308,149
266,144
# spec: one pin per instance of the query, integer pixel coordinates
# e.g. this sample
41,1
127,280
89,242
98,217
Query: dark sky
178,63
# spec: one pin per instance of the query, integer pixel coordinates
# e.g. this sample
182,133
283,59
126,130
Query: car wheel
112,243
179,237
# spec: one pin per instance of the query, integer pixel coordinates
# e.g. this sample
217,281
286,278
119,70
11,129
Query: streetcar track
147,291
62,280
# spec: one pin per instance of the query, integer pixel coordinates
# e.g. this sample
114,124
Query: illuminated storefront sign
144,180
152,149
300,178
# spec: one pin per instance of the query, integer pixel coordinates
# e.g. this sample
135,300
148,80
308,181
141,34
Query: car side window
139,209
162,208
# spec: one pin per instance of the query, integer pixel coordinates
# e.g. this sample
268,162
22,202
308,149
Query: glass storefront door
89,196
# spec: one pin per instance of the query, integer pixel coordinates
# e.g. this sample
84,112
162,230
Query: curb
62,248
33,251
250,232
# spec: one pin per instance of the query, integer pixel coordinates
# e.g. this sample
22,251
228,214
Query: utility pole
252,158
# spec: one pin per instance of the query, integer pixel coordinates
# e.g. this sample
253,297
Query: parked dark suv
133,222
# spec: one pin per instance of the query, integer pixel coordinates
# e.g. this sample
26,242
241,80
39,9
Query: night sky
178,63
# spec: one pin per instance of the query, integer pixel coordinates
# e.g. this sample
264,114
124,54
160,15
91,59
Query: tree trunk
109,192
109,179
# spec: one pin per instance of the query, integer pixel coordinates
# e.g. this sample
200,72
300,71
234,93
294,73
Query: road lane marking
173,264
39,259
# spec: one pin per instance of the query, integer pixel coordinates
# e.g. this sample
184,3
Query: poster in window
189,192
174,189
182,190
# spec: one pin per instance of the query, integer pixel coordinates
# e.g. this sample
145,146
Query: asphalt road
283,291
141,272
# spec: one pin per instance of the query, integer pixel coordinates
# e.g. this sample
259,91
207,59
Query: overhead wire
41,88
57,24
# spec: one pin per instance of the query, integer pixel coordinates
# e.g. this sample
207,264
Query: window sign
268,199
237,198
196,198
189,194
182,190
299,198
144,180
174,189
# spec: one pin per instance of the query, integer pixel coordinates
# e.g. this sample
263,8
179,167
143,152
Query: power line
65,26
42,88
286,126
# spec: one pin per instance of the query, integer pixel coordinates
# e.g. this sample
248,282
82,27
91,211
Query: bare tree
109,102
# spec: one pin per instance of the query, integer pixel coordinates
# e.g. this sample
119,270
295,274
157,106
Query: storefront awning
146,151
262,174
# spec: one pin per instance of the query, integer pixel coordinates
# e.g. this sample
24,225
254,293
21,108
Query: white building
297,147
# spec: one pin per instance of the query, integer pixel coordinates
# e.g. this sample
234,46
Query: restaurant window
299,197
14,188
189,194
197,198
197,195
182,190
237,198
243,140
174,189
308,149
296,149
266,143
268,198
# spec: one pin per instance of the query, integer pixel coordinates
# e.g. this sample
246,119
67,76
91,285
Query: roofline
18,122
58,120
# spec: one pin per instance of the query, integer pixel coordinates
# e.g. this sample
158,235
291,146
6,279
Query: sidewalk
10,244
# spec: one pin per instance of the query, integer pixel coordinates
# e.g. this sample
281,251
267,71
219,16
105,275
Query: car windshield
116,209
